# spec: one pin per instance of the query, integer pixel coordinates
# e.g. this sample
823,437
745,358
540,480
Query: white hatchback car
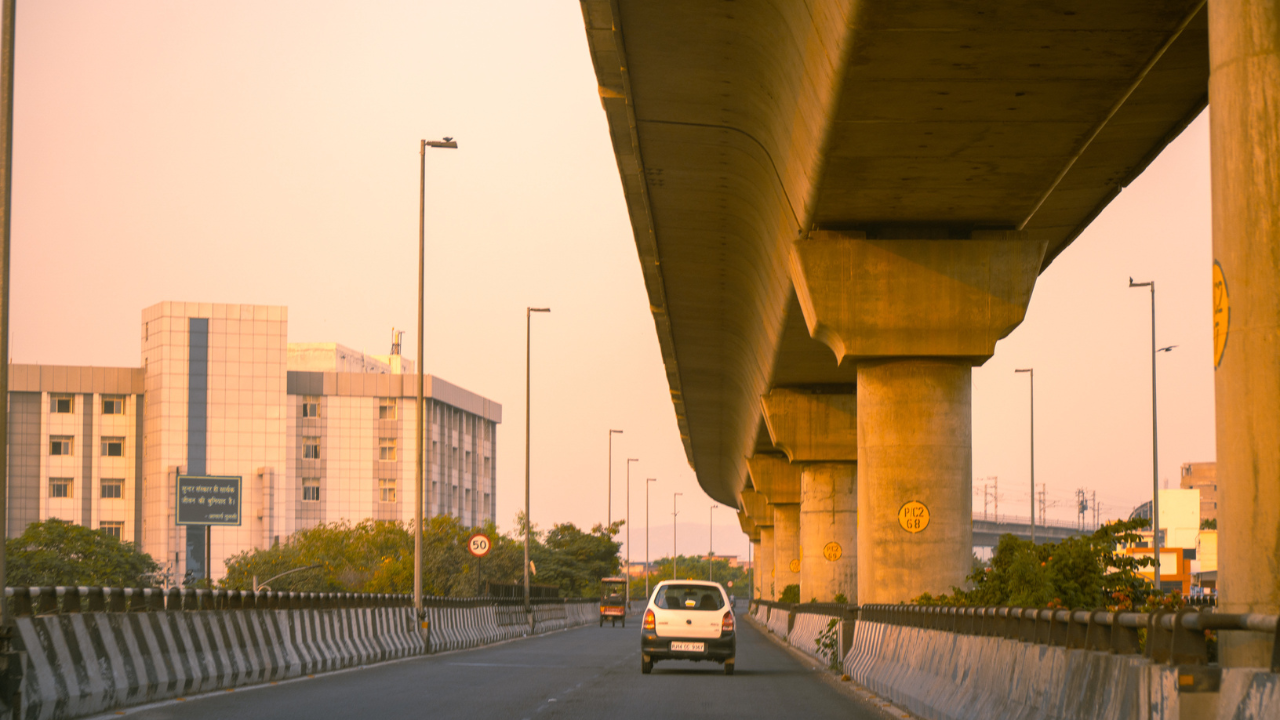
688,620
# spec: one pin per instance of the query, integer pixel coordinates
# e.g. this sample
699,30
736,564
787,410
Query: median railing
1174,637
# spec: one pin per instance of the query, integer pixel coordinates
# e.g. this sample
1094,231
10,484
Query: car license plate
688,647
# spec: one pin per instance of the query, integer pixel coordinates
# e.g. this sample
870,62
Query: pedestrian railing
1175,637
27,601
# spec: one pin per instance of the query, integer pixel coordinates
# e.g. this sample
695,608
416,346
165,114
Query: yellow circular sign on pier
913,516
795,566
1221,314
832,551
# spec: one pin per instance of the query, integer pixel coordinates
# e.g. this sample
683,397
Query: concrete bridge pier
916,460
1244,137
779,482
757,508
916,308
818,431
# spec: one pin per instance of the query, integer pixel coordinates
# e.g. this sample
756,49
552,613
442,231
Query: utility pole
609,515
1096,511
1043,508
995,495
675,554
1032,373
711,546
1155,454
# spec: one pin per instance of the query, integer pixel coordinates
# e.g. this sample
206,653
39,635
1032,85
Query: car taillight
726,625
649,620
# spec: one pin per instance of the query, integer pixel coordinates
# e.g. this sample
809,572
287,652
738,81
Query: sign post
479,545
208,500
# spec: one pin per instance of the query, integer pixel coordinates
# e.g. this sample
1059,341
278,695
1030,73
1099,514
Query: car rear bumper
659,648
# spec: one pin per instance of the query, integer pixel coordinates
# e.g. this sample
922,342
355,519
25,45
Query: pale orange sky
252,152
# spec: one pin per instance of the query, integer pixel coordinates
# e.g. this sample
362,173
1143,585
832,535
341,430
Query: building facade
1203,477
317,433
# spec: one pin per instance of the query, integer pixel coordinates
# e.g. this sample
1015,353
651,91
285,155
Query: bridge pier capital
875,298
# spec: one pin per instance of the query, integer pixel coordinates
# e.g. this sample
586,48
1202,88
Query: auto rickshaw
613,601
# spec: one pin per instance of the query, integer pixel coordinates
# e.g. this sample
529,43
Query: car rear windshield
689,597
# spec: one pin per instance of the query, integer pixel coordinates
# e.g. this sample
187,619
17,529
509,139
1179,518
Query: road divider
91,650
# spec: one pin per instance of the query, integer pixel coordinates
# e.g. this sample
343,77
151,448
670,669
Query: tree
56,552
377,557
1078,572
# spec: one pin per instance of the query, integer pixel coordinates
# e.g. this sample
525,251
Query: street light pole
675,555
528,523
629,461
646,536
420,464
711,544
1032,372
609,515
7,33
1155,455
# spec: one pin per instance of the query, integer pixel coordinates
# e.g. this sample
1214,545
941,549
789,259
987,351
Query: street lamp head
1026,370
1133,284
448,143
631,460
615,431
1167,349
534,310
651,480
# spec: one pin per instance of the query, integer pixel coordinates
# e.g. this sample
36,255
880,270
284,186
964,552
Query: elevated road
588,673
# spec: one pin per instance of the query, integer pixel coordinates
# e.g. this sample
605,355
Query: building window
60,445
387,409
112,488
311,448
311,407
112,405
311,489
387,449
387,490
487,460
62,404
59,487
112,447
435,449
114,529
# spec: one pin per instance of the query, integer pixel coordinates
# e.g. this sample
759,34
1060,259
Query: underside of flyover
738,125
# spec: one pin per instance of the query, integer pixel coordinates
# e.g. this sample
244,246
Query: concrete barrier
779,622
948,676
84,663
805,631
128,649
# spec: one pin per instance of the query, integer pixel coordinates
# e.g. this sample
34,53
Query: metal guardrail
1175,637
66,600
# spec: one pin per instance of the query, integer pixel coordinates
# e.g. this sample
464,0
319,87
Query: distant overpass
986,533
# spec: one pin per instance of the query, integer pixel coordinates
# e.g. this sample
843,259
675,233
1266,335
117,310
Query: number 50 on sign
479,544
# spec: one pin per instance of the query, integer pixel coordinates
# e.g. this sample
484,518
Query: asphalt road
588,672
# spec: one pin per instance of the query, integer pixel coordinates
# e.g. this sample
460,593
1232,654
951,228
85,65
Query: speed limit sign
479,545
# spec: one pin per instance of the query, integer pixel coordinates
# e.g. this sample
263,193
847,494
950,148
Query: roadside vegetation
56,552
377,556
1080,572
695,568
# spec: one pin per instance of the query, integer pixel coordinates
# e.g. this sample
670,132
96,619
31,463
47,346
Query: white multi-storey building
317,433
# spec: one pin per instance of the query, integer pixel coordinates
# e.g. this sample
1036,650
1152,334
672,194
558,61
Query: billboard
207,500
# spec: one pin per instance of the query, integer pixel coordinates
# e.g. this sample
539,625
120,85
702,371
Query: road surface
587,673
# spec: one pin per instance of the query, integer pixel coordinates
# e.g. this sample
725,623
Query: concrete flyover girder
739,127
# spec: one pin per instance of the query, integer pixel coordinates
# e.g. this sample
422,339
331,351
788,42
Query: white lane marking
515,665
